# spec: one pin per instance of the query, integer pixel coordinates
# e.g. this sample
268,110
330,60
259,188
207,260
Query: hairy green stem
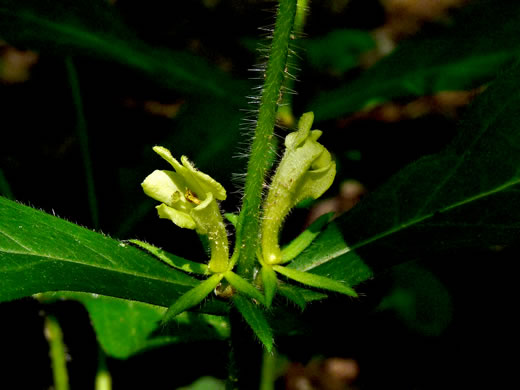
285,113
57,353
249,221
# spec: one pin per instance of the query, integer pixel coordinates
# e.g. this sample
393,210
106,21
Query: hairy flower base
305,171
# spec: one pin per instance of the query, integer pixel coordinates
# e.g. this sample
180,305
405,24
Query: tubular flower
305,171
189,199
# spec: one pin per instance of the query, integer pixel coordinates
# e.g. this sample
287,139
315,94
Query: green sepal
232,218
255,318
314,280
172,260
293,295
270,283
300,243
243,286
193,297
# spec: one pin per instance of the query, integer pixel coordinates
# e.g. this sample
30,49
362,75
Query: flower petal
315,182
164,186
165,154
297,138
200,182
179,218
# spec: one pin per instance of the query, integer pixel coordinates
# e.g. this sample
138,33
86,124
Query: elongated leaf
466,196
339,50
316,280
462,55
39,252
293,295
93,28
244,286
300,243
172,260
329,245
205,383
270,283
192,297
419,299
255,317
125,328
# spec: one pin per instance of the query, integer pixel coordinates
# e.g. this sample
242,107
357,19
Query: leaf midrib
410,223
100,267
397,80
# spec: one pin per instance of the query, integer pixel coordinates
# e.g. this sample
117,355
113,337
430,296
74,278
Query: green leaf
419,299
124,328
270,283
300,243
465,196
293,295
338,51
94,28
172,260
244,286
193,297
464,54
232,218
329,245
316,280
254,316
205,383
39,252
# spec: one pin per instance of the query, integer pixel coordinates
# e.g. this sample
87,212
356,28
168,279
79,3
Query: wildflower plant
306,170
461,197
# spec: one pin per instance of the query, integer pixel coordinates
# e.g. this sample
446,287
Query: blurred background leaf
94,28
463,54
125,328
338,51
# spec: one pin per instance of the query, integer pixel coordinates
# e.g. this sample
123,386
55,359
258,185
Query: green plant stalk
285,113
268,376
54,336
249,220
81,131
103,377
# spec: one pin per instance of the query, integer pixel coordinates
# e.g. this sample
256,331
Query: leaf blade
244,286
172,260
255,318
316,280
40,252
270,283
125,328
461,197
192,297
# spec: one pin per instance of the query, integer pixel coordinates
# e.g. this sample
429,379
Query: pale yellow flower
189,199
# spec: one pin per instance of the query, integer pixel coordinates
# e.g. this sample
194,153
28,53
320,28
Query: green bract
189,199
305,171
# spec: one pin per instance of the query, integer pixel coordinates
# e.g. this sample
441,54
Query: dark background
457,330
